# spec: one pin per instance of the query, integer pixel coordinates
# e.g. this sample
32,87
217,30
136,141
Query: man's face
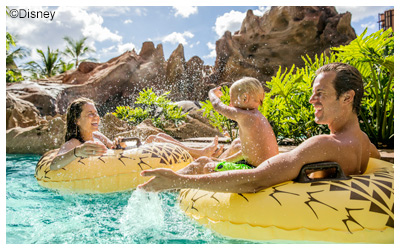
324,100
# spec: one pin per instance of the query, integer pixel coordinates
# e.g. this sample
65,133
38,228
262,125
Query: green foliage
9,41
170,111
76,49
373,56
132,115
47,67
217,120
286,104
148,97
64,67
149,102
13,76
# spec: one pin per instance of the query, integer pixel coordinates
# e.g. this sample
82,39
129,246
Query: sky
112,30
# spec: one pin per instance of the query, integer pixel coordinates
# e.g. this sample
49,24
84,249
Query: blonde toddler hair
249,85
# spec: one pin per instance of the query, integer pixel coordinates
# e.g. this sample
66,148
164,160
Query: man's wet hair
347,78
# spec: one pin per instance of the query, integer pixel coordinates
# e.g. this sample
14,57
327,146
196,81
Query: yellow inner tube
118,170
358,210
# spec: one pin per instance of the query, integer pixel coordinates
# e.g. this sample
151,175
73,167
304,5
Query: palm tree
13,74
77,49
11,55
48,66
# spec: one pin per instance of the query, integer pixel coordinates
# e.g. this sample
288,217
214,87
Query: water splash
143,217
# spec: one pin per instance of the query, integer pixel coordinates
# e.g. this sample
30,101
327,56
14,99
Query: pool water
38,215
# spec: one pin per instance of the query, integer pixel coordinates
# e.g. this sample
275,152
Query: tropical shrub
133,116
286,105
290,114
159,109
373,56
13,76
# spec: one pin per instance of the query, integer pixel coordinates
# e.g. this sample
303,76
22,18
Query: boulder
20,113
142,131
43,95
188,106
194,126
111,126
196,89
176,73
36,139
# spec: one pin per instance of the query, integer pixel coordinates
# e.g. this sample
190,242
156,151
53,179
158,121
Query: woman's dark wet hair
73,114
347,78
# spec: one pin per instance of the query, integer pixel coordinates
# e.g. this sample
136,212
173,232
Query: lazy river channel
36,215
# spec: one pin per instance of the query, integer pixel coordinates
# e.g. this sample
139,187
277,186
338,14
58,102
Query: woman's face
89,119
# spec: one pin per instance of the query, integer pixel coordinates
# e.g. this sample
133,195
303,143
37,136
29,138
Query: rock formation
279,38
20,113
36,139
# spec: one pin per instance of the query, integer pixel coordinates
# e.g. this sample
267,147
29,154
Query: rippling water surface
38,215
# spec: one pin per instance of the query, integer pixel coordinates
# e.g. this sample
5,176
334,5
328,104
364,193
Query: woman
82,138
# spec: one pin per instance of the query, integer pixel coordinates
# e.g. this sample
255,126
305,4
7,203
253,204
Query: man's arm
277,169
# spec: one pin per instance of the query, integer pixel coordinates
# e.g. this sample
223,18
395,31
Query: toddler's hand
217,91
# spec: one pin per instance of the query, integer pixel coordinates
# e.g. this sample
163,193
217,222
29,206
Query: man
336,98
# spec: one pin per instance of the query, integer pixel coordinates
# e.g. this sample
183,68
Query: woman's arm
103,139
108,142
74,149
65,155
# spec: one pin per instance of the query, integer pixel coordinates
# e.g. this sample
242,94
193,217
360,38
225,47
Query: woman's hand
90,148
118,141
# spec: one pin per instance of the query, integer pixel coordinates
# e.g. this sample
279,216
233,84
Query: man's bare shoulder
320,140
316,149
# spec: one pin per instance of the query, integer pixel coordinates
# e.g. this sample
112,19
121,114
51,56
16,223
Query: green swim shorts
224,166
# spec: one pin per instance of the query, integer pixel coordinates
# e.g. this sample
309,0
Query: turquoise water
38,215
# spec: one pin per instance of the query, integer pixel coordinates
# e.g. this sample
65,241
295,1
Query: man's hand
163,179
